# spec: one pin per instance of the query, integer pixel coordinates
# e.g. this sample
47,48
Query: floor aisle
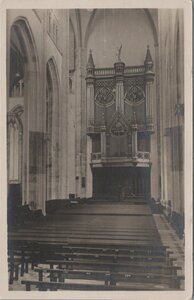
169,238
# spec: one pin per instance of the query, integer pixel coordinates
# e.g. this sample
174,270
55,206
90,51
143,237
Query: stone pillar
63,107
34,136
83,123
78,110
151,122
119,75
89,178
41,121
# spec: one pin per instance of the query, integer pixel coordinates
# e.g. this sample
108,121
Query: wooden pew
127,252
86,253
54,286
109,278
112,266
41,255
20,241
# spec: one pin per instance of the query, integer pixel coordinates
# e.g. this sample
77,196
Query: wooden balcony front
141,159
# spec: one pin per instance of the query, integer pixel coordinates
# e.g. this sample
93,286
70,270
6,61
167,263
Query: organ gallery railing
127,71
141,155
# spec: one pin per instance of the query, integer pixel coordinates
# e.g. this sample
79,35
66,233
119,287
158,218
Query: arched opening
22,97
52,130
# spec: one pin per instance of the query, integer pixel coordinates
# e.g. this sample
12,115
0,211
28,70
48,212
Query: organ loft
95,149
120,127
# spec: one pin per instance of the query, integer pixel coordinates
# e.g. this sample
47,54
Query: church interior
95,147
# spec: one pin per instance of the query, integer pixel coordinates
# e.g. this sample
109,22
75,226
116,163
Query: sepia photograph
96,149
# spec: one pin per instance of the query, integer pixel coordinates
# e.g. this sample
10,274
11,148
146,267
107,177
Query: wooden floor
112,246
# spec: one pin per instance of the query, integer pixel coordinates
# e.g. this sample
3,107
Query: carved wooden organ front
120,111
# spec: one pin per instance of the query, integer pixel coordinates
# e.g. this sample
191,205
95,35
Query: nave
93,245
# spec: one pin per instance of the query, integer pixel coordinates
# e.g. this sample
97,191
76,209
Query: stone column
63,107
89,178
119,75
41,121
78,118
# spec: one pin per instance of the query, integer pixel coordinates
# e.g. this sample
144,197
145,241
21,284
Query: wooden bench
84,254
112,266
38,256
113,257
39,250
54,286
109,278
16,243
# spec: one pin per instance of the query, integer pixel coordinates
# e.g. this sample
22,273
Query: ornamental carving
105,92
134,95
134,90
118,129
105,97
118,125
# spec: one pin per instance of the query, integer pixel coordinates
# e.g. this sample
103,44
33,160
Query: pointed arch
26,72
146,11
153,26
26,41
90,23
79,27
53,69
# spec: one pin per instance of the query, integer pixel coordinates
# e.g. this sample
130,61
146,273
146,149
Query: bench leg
51,277
61,278
40,275
22,269
106,281
26,267
16,272
54,276
112,281
28,286
11,269
11,276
